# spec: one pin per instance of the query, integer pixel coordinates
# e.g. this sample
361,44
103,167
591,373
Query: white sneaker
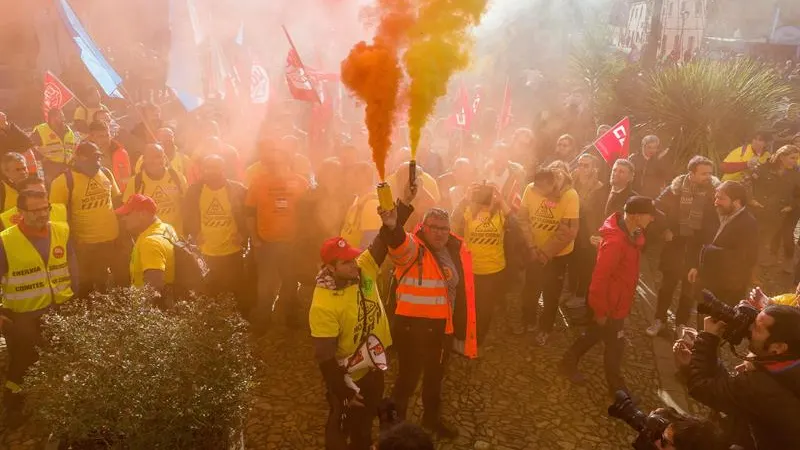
655,328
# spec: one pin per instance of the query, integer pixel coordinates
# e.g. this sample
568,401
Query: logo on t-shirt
96,196
163,200
447,272
544,219
215,215
485,233
58,252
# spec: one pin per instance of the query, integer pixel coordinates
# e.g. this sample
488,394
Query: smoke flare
372,72
439,47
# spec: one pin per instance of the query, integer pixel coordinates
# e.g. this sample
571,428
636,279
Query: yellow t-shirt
335,314
11,195
166,192
218,229
361,216
786,299
91,218
251,173
545,214
179,163
737,156
152,251
484,237
87,114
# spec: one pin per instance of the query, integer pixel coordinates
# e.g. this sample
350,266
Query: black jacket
13,139
727,263
683,253
776,190
766,399
191,207
650,175
615,201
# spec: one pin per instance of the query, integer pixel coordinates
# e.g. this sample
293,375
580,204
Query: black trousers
612,336
489,290
581,266
547,281
422,351
95,261
783,237
671,280
22,335
225,275
357,425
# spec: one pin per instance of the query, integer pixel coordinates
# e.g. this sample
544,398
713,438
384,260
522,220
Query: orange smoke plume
372,72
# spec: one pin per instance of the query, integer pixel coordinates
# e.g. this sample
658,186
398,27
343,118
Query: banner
615,143
56,95
259,84
92,57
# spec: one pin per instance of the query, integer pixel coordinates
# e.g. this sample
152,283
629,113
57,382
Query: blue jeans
276,277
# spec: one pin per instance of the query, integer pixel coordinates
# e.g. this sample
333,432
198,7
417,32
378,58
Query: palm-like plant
708,107
599,69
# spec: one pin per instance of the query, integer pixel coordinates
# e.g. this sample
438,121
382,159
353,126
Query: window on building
664,44
669,9
690,46
676,43
698,8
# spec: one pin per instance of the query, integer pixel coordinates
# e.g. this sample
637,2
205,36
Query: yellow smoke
372,72
439,47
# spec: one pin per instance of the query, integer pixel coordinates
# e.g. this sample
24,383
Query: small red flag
462,116
615,143
56,95
302,85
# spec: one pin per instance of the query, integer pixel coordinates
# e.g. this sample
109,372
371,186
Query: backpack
70,179
138,181
191,268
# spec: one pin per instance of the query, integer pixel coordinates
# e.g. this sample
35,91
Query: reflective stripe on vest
54,147
422,292
31,284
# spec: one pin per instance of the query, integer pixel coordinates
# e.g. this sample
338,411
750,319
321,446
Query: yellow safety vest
12,216
31,284
54,147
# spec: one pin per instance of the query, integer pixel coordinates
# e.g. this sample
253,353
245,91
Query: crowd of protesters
521,225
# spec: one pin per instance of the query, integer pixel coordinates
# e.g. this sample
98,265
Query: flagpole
127,96
294,49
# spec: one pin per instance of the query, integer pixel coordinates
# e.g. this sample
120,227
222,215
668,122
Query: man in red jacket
612,290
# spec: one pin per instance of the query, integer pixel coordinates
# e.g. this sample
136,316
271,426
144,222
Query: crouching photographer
764,393
666,428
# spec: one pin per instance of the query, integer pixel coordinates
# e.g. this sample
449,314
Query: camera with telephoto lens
649,426
737,318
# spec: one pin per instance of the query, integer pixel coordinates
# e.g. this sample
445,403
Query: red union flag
615,143
462,116
55,94
302,85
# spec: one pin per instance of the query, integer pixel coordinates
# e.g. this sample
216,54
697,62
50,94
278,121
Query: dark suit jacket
727,263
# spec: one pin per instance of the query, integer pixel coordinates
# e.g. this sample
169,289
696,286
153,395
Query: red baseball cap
337,249
137,203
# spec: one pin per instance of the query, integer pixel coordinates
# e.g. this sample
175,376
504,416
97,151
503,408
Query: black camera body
649,426
737,318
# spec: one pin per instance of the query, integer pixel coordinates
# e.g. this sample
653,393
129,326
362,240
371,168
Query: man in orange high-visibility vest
435,309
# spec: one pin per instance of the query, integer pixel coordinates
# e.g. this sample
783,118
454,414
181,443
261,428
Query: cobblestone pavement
510,398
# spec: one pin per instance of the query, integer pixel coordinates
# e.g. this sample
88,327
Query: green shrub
708,107
118,373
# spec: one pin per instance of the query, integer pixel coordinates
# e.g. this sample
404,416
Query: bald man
214,218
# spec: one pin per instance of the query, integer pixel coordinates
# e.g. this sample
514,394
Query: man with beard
347,313
690,221
90,193
726,265
764,395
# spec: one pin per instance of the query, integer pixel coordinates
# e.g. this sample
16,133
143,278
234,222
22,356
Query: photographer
767,396
666,428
